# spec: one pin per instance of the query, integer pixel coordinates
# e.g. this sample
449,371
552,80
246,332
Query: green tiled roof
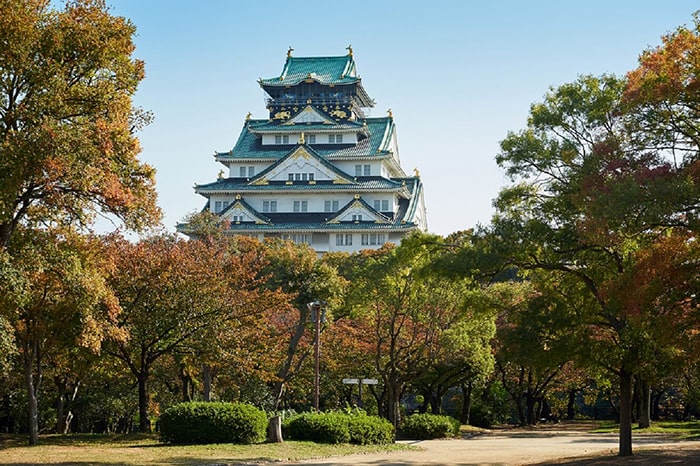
306,128
241,185
249,146
325,70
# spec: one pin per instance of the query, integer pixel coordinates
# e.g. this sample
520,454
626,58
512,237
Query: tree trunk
644,404
274,430
32,401
393,400
571,404
625,413
61,387
284,373
186,381
31,353
144,422
531,401
206,382
656,405
466,402
435,403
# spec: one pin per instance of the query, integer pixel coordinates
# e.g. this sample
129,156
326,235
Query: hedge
429,426
216,422
335,427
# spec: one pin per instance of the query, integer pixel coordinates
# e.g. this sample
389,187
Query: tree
463,357
54,296
67,148
589,204
296,270
409,311
536,338
172,292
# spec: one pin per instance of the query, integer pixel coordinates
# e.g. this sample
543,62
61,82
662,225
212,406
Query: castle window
373,239
247,171
381,205
269,206
368,170
330,206
298,238
358,170
312,139
301,206
343,240
279,139
335,138
217,207
357,218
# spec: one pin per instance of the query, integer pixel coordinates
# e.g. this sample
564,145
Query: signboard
351,381
370,381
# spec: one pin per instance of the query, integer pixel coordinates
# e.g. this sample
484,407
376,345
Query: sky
457,75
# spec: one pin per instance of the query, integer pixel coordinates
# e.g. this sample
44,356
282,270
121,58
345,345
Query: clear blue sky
458,75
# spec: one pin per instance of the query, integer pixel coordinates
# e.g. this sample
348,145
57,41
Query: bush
334,427
370,430
203,422
429,426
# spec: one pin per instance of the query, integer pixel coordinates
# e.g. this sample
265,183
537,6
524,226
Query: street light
315,311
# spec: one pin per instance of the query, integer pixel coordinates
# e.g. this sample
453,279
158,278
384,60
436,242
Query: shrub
370,430
203,422
429,426
339,428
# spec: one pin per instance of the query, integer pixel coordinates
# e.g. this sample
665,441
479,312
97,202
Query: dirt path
529,447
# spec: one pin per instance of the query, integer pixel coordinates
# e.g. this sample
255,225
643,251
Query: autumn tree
67,143
67,153
589,203
296,270
54,296
174,292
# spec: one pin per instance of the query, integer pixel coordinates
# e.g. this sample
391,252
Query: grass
142,449
684,430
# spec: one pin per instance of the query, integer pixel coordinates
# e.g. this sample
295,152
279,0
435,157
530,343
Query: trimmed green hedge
334,427
429,426
203,422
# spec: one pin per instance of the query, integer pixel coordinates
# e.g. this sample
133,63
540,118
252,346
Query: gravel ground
539,447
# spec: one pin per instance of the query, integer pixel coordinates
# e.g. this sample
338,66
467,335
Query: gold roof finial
391,115
289,51
221,175
349,49
247,117
301,138
416,172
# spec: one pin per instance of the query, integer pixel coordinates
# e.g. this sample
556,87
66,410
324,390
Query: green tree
408,310
588,205
536,337
55,298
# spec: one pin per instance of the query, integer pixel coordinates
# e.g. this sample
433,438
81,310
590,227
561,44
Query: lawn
69,450
685,430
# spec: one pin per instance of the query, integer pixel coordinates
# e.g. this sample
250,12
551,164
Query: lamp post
315,310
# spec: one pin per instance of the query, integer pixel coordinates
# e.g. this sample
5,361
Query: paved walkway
508,448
